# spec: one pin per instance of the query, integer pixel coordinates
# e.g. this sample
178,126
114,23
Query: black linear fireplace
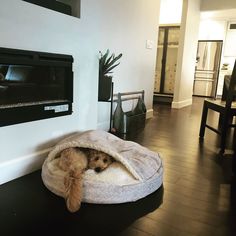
34,85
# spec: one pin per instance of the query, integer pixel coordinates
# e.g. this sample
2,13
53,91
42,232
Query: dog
98,161
75,161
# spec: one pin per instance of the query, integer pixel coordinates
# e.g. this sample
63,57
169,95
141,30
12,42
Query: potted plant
106,64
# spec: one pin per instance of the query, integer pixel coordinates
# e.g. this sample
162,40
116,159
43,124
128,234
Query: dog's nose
98,169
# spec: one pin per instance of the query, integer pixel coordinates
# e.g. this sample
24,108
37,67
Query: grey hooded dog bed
136,173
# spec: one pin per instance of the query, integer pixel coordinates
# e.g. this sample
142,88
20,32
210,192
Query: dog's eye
96,158
105,160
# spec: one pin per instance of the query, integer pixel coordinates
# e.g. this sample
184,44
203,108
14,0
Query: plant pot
104,88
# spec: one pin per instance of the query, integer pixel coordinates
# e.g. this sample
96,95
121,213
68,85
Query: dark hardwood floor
197,197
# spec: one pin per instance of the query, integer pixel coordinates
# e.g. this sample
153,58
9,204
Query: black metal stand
111,108
129,122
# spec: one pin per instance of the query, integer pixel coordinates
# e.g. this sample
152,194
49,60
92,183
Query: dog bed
136,173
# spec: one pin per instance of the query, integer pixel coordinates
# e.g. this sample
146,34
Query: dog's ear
89,153
86,151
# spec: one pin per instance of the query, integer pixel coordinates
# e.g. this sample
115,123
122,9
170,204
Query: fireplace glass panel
34,85
31,84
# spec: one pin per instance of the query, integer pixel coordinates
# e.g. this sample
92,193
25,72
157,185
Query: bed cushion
136,173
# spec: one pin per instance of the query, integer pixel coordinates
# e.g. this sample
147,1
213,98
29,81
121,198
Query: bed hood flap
140,161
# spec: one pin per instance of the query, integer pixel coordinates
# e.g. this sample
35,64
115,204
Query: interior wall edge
181,104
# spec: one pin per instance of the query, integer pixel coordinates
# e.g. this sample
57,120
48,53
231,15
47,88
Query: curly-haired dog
75,161
98,161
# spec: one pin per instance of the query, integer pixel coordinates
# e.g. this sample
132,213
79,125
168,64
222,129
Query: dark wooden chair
226,109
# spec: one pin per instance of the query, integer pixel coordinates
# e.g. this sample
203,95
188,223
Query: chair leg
222,143
203,120
224,129
234,155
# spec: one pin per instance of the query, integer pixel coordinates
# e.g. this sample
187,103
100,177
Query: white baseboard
149,113
181,104
21,166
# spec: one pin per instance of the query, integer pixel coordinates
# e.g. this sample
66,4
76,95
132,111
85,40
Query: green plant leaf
103,58
115,59
111,68
107,63
108,60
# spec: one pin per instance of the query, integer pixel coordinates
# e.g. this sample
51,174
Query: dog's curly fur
74,161
99,161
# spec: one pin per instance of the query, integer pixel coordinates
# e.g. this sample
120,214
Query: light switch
149,44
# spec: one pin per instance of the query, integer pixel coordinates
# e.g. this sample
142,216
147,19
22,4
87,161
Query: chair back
231,94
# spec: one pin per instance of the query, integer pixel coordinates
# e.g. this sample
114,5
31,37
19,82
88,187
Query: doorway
167,51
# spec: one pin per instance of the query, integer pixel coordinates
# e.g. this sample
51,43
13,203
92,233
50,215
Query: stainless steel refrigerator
207,68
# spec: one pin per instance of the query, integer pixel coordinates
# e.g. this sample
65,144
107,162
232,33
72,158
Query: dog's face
99,161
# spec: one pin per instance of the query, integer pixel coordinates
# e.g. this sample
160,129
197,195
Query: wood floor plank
198,204
176,221
223,189
155,227
193,214
216,198
134,232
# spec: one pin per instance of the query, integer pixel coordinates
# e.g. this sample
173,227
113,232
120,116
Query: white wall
209,5
121,26
170,12
186,54
212,29
27,26
125,28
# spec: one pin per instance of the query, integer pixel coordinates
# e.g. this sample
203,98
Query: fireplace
34,85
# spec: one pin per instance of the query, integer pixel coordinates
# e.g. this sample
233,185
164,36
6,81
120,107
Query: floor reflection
114,218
